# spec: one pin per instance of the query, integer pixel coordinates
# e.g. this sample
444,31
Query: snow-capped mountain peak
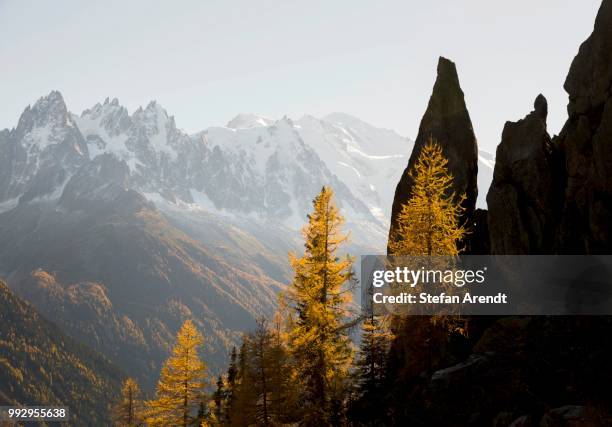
45,123
40,154
49,109
158,128
248,121
366,158
144,137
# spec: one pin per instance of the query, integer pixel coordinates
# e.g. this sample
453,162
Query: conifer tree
428,223
180,387
244,398
263,386
230,391
203,411
284,392
371,386
260,371
219,398
375,338
318,339
128,411
207,415
429,226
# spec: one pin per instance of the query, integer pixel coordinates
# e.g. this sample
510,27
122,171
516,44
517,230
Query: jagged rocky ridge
548,196
585,145
521,199
41,153
557,195
271,169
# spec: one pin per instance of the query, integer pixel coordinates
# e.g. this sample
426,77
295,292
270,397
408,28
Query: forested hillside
40,365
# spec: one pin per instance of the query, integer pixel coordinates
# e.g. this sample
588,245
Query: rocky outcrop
99,184
547,196
447,121
586,145
542,363
521,197
556,197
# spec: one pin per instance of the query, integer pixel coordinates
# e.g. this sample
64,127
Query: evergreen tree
202,411
242,410
375,340
219,398
230,391
369,397
128,411
180,387
282,376
260,371
263,386
318,340
207,416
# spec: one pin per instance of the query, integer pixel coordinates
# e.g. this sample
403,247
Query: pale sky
206,61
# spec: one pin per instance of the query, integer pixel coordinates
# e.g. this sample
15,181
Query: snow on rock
252,166
271,170
38,156
158,128
247,121
367,159
105,127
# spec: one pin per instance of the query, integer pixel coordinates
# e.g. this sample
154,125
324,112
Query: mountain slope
40,365
114,273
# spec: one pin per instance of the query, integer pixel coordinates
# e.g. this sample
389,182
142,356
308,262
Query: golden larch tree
128,411
181,384
318,296
428,223
428,226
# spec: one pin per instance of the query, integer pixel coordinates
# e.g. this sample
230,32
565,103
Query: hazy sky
205,61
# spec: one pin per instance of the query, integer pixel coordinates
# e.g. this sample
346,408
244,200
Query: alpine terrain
119,226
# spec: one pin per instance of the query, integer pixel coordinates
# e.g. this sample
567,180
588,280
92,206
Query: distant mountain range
270,168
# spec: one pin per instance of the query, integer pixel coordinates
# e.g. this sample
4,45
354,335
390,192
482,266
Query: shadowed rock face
448,122
586,145
520,198
557,197
546,197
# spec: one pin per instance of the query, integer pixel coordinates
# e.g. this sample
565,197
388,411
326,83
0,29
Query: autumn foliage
428,223
300,368
181,383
